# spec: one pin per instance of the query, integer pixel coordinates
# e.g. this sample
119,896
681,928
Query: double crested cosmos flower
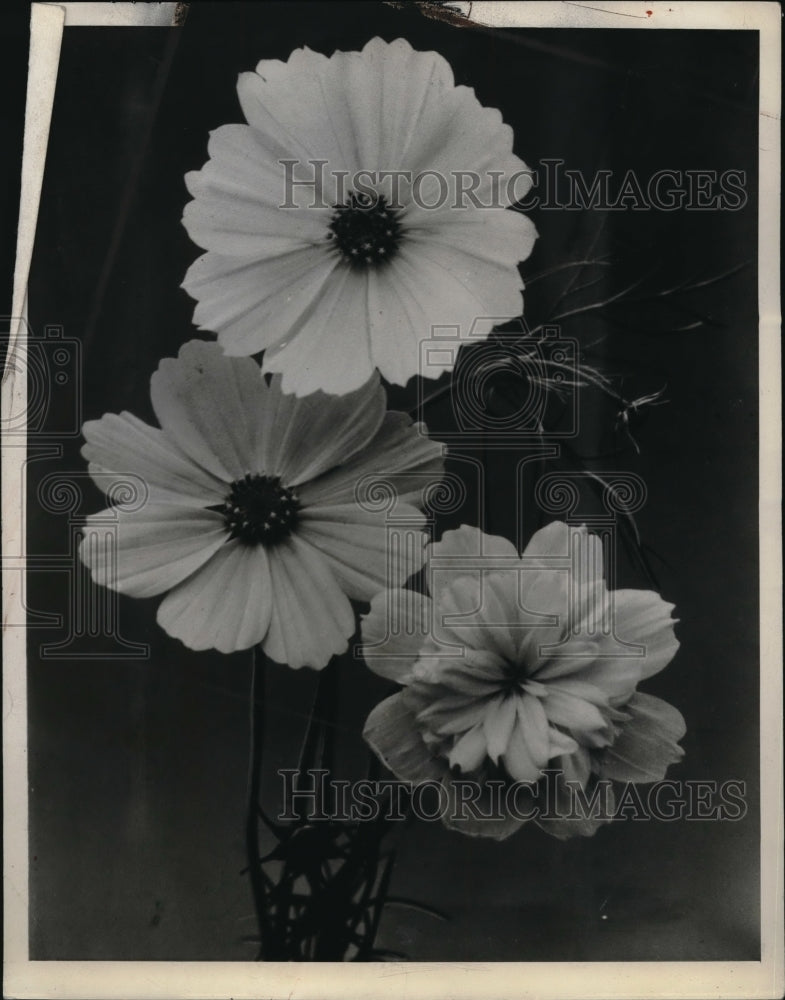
252,526
528,664
354,274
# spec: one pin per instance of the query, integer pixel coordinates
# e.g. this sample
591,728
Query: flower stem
318,749
255,749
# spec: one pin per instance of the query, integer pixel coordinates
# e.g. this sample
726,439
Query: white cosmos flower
486,693
251,524
355,279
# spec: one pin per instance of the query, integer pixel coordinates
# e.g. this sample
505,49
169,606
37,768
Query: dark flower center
365,231
516,676
259,510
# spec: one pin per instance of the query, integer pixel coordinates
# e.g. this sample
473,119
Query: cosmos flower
356,271
251,526
512,669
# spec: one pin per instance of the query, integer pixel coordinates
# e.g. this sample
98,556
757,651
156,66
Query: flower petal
452,714
400,456
534,725
499,721
312,618
398,323
523,754
330,349
364,554
391,731
560,743
475,672
226,605
456,290
148,551
648,744
580,718
482,612
465,135
120,444
615,677
238,195
494,239
212,407
305,436
408,100
642,617
469,751
393,632
254,304
287,104
467,540
479,817
572,821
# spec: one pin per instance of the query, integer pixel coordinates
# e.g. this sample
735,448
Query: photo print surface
392,500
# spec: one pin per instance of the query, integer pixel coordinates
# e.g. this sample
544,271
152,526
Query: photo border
324,981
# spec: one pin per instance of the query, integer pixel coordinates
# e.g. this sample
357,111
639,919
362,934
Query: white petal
238,197
212,407
558,540
458,814
409,96
615,678
481,611
289,105
519,760
493,240
545,598
306,436
648,744
464,135
560,743
150,550
392,732
254,304
576,768
534,726
579,717
499,721
469,541
455,289
362,550
120,444
642,617
226,605
330,349
398,323
312,619
393,632
469,751
474,674
452,715
400,454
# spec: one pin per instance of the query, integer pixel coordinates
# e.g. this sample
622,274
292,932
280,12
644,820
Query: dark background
137,767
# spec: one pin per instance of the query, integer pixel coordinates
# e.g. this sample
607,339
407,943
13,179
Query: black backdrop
137,767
